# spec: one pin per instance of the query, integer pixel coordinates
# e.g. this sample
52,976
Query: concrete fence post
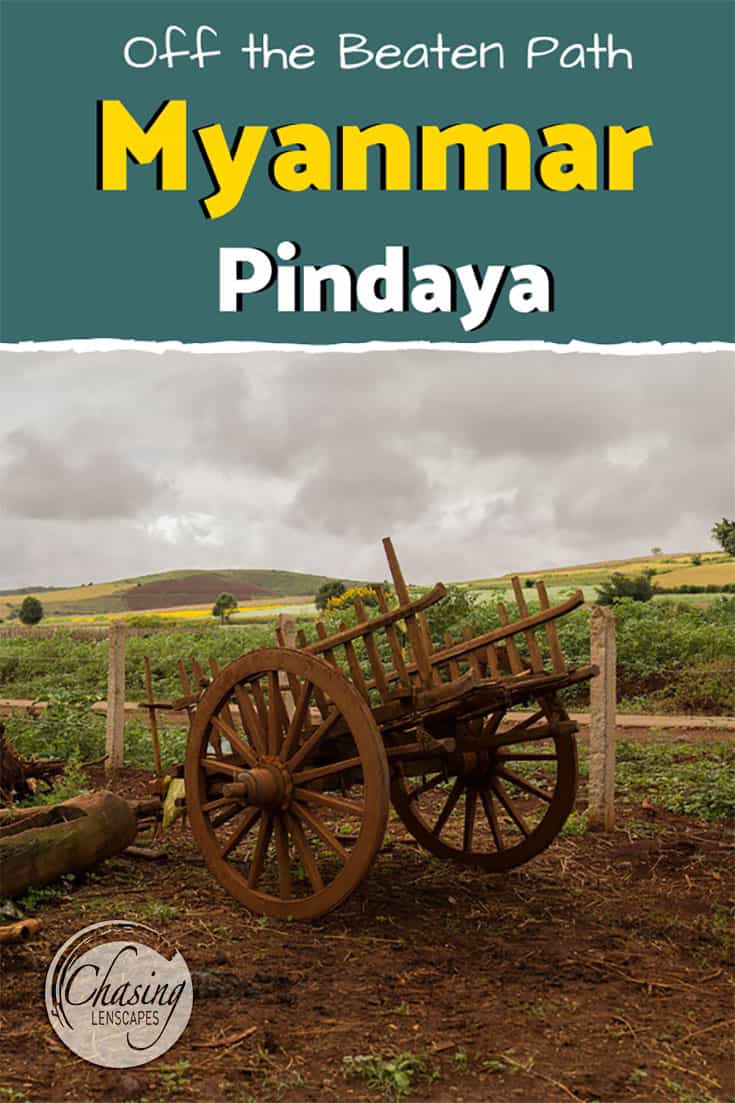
287,625
115,731
601,812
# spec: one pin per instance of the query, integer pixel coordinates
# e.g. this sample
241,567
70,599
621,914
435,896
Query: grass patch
41,896
175,1078
157,910
685,778
576,824
393,1077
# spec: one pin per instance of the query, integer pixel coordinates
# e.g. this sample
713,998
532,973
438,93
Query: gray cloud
64,480
476,463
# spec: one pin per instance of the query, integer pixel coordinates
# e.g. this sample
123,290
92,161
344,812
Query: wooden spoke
217,766
297,720
425,787
250,719
339,804
260,705
261,849
448,808
306,854
248,821
520,756
283,857
321,830
225,815
326,771
509,807
314,740
529,722
220,802
470,808
523,784
509,739
489,809
491,725
235,741
275,711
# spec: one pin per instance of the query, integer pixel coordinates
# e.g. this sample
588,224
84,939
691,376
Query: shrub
638,587
724,534
31,610
327,590
223,606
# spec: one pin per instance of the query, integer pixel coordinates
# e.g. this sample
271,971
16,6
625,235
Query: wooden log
20,931
65,838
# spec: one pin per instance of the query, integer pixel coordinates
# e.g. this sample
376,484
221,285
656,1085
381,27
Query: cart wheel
289,805
496,809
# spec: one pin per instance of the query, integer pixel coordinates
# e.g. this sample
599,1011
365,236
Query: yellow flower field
708,574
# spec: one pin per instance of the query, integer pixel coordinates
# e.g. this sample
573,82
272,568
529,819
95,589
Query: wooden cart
296,754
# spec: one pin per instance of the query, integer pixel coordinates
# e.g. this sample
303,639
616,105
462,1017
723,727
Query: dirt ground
602,970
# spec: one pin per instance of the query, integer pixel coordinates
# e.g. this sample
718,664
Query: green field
191,592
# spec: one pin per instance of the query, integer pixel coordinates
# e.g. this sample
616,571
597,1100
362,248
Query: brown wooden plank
472,658
186,686
453,665
537,663
394,643
516,663
417,633
552,636
152,715
327,652
493,662
356,674
199,678
321,701
373,654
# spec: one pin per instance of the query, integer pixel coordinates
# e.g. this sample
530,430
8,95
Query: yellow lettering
309,166
572,167
230,170
395,153
621,147
121,136
475,143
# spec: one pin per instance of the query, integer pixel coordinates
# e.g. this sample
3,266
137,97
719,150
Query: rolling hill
168,590
198,589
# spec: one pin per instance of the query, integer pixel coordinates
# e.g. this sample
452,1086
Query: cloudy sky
118,464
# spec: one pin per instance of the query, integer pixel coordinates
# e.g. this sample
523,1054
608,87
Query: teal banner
316,173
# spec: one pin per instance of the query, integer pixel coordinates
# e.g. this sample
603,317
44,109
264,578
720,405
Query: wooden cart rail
509,651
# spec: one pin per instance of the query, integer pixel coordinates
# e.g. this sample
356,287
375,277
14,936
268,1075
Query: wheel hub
267,785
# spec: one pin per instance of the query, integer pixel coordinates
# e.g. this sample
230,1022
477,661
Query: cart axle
268,786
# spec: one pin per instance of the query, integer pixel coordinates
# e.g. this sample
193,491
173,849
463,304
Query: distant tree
655,551
638,587
724,534
333,588
223,606
696,560
31,610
